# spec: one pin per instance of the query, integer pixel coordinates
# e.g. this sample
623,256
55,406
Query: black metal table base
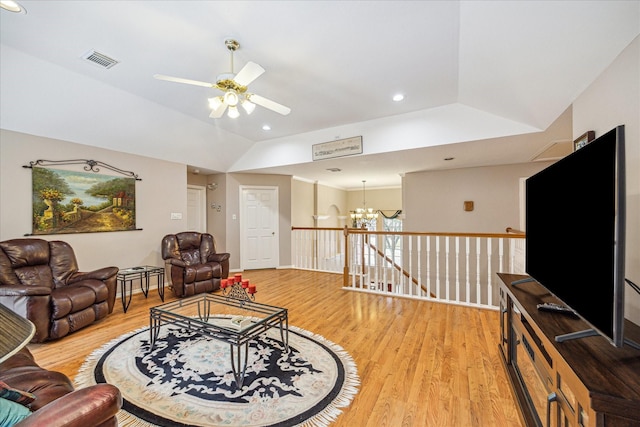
127,276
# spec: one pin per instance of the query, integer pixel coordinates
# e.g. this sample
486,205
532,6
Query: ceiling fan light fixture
231,98
233,87
233,112
215,103
248,106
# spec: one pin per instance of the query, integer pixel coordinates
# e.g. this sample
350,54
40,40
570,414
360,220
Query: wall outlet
176,215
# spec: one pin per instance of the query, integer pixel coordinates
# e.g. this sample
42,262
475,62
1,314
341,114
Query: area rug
187,380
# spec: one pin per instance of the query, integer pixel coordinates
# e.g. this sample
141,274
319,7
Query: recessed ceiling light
266,127
398,97
12,6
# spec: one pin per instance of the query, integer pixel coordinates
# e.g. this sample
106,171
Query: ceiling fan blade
249,73
181,80
218,112
271,105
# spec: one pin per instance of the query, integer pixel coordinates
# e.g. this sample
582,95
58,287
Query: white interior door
196,208
259,227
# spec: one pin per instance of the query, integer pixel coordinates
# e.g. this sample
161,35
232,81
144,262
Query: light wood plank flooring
420,363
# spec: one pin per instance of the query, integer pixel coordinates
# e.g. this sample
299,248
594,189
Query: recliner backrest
63,262
28,260
189,246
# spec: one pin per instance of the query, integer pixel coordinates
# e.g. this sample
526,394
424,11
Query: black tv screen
575,232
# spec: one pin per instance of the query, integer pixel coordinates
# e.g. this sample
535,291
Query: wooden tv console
580,382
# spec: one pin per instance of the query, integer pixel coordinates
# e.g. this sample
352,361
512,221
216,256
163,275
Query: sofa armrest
219,257
17,291
90,406
104,273
176,262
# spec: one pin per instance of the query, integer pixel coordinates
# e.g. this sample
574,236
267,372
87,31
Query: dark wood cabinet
580,382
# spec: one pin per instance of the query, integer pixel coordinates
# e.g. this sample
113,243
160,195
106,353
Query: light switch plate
176,215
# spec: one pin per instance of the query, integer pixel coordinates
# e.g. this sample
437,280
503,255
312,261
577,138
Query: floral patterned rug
187,379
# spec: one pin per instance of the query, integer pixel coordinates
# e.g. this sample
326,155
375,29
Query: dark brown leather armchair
39,280
57,403
194,266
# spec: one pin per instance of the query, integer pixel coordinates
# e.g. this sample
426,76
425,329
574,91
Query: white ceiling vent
555,151
99,59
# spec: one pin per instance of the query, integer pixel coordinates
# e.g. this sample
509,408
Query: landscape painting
67,201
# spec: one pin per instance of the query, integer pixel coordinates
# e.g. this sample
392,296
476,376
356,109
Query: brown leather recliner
39,280
57,403
194,266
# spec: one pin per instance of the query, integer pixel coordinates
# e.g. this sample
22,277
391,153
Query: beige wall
160,192
383,199
331,206
434,200
196,179
614,99
302,203
217,221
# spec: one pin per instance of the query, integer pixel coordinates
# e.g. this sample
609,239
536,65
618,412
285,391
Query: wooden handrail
512,230
419,233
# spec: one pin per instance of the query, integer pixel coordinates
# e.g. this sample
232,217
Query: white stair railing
458,268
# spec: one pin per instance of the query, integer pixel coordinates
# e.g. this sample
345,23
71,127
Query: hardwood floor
420,363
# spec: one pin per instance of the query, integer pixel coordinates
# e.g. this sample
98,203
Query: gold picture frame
584,139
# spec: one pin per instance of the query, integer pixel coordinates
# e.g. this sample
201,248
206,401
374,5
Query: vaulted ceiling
484,82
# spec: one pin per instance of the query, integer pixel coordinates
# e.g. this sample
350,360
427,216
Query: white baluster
457,268
437,239
489,272
419,270
478,246
428,263
467,259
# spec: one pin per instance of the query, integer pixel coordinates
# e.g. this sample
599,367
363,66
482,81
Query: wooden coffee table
234,319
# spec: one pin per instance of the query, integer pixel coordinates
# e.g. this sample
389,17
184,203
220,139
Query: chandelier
363,217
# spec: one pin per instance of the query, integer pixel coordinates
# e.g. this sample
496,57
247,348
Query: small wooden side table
142,273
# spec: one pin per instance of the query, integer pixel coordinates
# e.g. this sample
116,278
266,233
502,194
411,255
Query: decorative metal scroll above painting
69,201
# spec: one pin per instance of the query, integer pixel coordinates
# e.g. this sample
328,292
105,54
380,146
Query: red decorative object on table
238,288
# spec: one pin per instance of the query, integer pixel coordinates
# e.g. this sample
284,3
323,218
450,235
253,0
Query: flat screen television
575,233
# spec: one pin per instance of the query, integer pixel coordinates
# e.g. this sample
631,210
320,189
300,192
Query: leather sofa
57,403
40,281
193,264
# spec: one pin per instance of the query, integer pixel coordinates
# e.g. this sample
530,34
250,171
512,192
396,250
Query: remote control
557,308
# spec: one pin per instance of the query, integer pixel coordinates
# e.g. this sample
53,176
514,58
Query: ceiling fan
235,88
